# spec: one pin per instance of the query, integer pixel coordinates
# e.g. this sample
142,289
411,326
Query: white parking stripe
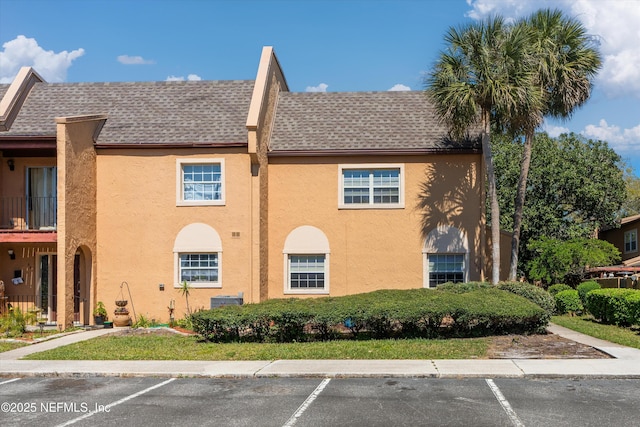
10,381
505,404
306,403
111,405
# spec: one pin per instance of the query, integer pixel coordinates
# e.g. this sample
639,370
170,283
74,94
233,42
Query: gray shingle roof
142,112
359,121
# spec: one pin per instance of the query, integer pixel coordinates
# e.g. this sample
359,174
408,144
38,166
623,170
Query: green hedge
534,294
585,288
558,287
568,301
382,314
617,306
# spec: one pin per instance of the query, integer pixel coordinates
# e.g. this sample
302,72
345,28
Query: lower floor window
199,268
445,268
306,271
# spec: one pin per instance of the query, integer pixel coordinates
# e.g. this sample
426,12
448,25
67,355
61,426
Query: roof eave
105,145
372,152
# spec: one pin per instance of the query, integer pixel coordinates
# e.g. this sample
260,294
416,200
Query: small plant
185,290
142,322
100,311
14,323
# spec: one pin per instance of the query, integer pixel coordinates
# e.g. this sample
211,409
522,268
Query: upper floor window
631,241
200,182
371,186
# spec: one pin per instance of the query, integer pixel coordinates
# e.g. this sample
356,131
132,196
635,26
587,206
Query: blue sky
330,45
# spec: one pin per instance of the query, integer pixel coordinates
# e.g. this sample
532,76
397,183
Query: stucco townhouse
237,187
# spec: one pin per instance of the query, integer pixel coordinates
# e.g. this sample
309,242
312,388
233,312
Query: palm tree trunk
493,198
519,204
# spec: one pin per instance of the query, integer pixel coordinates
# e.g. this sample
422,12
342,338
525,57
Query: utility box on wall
223,300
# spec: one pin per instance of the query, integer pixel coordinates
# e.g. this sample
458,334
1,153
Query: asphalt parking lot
108,401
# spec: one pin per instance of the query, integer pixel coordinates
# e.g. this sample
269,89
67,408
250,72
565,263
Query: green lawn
163,347
10,345
178,347
586,325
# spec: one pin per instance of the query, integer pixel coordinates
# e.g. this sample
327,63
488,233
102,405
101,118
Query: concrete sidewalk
626,364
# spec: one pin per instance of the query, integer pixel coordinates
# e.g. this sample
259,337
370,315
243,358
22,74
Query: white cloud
134,60
322,87
190,77
399,87
615,23
621,140
25,52
554,131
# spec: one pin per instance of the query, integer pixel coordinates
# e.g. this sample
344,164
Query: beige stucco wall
138,222
76,160
270,81
374,248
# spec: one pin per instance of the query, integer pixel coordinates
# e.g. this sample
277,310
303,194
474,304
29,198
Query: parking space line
307,403
10,381
111,405
504,403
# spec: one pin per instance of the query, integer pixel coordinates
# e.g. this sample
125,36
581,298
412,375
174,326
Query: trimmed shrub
460,288
585,288
533,293
381,314
558,287
568,301
617,306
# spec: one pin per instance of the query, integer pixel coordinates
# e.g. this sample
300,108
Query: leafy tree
478,80
575,187
566,60
631,205
565,261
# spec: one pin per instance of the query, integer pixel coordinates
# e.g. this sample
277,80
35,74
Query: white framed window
631,241
445,256
306,261
197,254
445,268
200,182
199,268
371,186
306,272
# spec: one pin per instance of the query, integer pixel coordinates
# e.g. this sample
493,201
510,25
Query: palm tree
565,62
480,80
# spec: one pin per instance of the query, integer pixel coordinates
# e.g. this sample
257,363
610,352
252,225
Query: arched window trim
198,239
305,245
445,240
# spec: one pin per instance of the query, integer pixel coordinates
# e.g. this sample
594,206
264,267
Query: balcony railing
28,213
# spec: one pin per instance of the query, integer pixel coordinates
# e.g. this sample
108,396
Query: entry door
41,195
47,295
76,288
